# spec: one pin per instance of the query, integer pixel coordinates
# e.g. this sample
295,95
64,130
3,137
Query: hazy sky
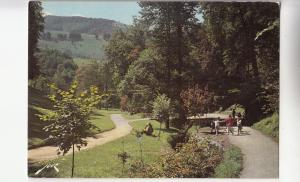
113,10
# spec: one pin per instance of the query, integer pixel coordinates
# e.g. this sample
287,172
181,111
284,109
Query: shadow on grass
170,130
97,113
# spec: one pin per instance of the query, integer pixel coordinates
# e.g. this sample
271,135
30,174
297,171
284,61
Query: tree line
232,51
214,54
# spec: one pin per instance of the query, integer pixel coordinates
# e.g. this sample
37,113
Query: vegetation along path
261,154
49,152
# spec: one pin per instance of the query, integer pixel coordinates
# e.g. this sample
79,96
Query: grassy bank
101,119
231,165
102,161
269,126
129,116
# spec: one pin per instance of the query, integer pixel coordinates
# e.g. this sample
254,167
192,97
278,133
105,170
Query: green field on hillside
88,47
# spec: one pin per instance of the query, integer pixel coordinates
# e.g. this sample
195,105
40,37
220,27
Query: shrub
178,138
139,169
161,109
197,158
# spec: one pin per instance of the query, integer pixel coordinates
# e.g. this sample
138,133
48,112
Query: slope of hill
94,34
81,24
88,47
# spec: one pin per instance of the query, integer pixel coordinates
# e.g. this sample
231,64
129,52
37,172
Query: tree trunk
73,157
167,123
141,151
159,131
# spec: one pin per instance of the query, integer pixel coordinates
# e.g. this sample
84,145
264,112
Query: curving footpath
261,154
122,128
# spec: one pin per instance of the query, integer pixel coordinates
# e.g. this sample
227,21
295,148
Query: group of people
215,125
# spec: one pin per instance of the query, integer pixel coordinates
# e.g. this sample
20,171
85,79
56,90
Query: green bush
197,158
269,126
175,139
231,165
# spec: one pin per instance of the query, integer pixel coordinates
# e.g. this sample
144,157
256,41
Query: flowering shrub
197,158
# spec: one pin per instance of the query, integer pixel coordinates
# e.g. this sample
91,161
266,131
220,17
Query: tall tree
170,24
69,120
36,26
231,29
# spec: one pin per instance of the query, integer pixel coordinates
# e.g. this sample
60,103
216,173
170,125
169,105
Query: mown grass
102,161
231,165
101,119
129,116
269,126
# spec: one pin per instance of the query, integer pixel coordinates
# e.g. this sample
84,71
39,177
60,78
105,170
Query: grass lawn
101,119
129,116
231,165
102,161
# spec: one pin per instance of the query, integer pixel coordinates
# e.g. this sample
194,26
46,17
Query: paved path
261,154
49,152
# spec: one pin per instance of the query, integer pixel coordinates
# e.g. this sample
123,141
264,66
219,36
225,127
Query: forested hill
80,24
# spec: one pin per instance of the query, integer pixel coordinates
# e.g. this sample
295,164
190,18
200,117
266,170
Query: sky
113,10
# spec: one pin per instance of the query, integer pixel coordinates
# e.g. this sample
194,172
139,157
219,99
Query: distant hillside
81,24
88,47
94,34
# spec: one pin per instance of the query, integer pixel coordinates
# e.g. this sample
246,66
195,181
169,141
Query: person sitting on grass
148,130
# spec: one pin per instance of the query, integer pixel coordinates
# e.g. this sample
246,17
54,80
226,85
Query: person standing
239,123
233,113
217,125
229,123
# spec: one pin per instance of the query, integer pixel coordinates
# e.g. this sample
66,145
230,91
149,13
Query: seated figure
148,130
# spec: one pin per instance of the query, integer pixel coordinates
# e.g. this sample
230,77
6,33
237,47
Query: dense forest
228,55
